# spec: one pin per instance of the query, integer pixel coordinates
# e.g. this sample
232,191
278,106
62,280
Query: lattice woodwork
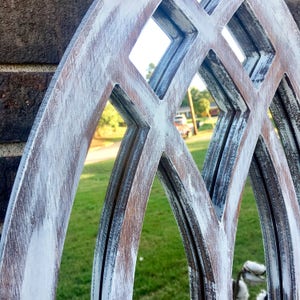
96,66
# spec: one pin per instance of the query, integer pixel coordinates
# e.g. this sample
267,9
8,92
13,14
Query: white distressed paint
40,264
53,157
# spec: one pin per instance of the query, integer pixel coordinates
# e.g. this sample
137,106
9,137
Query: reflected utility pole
189,95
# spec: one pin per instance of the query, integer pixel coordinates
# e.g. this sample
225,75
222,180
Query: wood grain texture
95,67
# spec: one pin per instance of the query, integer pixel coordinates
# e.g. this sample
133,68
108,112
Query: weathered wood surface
96,66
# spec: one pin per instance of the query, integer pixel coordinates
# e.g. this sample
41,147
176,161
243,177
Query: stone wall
34,35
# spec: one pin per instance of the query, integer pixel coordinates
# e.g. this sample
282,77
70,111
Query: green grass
249,245
75,274
161,271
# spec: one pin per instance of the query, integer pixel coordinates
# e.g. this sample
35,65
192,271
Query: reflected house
214,109
185,110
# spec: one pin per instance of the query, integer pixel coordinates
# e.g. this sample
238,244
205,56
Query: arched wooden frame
95,66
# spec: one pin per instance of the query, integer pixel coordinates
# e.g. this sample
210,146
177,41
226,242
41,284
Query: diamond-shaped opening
248,247
100,183
229,128
181,33
209,5
246,30
161,268
222,127
284,114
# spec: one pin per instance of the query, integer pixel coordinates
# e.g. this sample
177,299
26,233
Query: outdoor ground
104,141
161,271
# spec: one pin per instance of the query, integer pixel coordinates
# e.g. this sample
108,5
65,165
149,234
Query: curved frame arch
46,182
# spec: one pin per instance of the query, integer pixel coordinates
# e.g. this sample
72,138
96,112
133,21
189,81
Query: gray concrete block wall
34,31
21,94
34,35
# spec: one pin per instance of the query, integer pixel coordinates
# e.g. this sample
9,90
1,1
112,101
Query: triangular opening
246,36
118,124
172,41
161,269
149,49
